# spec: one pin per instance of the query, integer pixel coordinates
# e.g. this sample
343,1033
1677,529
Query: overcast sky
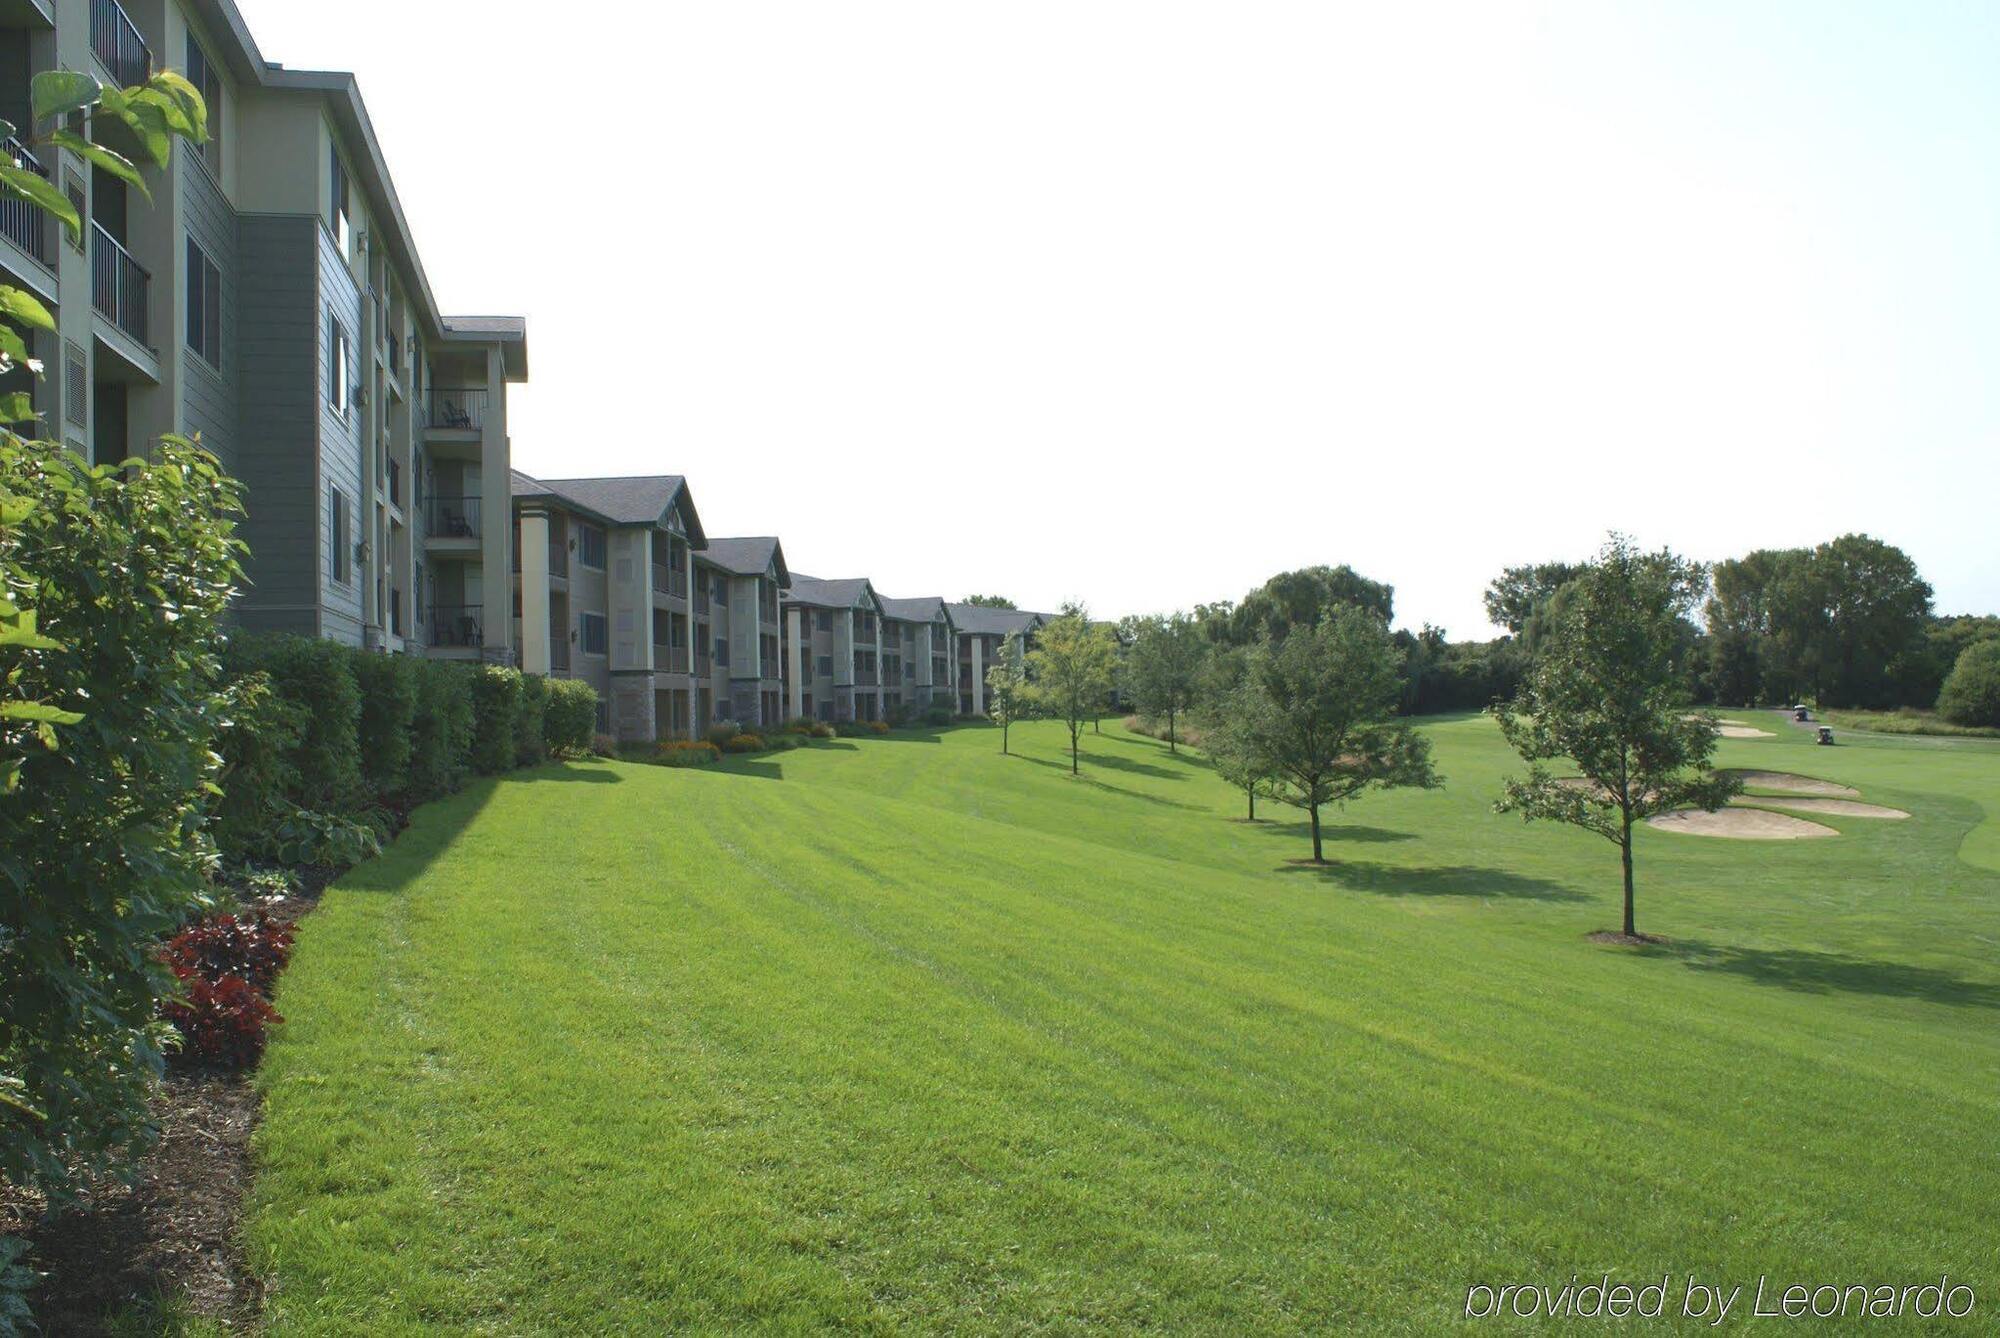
1141,303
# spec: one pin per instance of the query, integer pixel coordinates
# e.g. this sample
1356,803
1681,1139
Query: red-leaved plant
228,966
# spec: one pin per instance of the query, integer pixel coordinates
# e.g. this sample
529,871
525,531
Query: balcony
867,678
668,581
20,222
455,410
116,40
460,626
452,517
558,652
670,659
558,558
701,602
395,483
119,285
396,612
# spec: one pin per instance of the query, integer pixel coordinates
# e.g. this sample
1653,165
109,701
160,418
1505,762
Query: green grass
1908,720
903,1034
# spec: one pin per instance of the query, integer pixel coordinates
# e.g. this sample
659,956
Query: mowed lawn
904,1034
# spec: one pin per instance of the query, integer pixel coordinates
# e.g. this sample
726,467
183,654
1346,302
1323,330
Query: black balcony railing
116,40
670,659
460,625
119,285
452,517
558,558
465,409
558,651
20,222
701,601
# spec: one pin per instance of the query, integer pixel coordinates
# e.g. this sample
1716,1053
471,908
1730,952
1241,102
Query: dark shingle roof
850,593
978,620
922,610
634,500
746,557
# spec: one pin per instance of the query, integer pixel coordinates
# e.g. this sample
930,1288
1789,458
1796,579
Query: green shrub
388,687
937,715
569,719
783,743
1971,692
720,735
259,735
317,677
822,730
302,838
743,743
849,729
115,701
530,742
686,753
798,725
878,727
441,732
496,702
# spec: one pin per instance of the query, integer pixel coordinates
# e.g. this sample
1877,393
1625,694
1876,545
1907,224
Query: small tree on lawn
1228,736
1071,668
1605,694
1006,687
1163,668
1320,710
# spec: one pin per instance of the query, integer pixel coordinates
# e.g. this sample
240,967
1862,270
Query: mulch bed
173,1232
1625,940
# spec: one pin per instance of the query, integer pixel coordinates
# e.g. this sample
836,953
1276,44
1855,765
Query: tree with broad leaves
1071,670
990,601
1606,695
1163,668
1006,687
1319,710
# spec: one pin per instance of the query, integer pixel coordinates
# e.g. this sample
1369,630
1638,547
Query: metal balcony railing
670,659
396,482
452,517
20,222
558,558
119,285
866,678
458,625
558,651
463,409
116,40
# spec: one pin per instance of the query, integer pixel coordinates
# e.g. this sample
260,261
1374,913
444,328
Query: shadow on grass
1117,763
1356,833
564,773
762,768
1457,880
1812,972
1085,778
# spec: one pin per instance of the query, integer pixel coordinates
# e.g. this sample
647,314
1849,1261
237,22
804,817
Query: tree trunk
1074,732
1003,737
1631,928
1251,792
1170,731
1318,858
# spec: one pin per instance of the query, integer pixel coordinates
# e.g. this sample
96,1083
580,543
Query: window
825,620
594,636
201,72
339,367
722,650
826,666
343,218
336,528
204,306
590,546
826,710
603,716
73,187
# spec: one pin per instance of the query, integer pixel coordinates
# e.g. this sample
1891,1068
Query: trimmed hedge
441,733
569,718
496,702
531,747
318,678
389,692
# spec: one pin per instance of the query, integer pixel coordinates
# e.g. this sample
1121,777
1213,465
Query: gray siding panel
276,451
340,443
208,400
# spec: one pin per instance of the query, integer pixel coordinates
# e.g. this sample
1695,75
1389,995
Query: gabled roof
978,620
851,593
643,499
747,557
927,609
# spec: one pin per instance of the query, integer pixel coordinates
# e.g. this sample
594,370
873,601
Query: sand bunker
1786,783
1736,729
1840,808
1738,824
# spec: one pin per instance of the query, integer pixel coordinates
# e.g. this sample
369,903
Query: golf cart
1802,713
1826,734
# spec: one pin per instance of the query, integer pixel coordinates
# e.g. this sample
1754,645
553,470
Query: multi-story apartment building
602,592
833,667
739,586
981,631
919,655
269,298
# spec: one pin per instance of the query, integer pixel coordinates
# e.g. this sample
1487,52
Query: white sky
1140,303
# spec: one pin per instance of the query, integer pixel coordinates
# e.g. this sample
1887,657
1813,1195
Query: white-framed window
338,531
339,367
204,305
590,546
